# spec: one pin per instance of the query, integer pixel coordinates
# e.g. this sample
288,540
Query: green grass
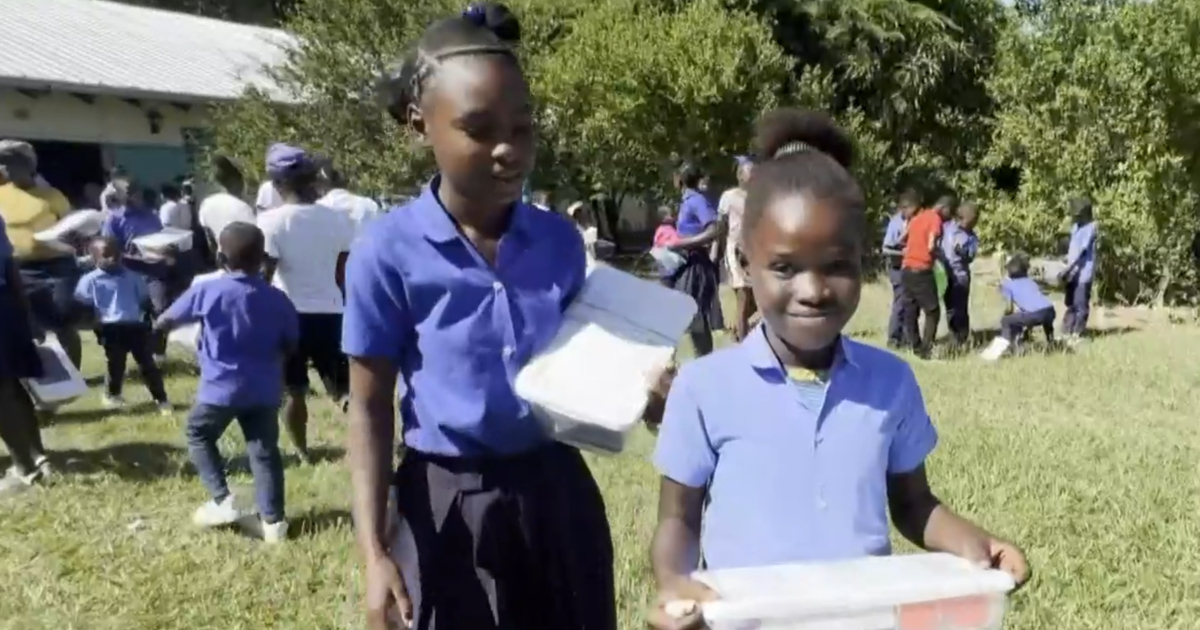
1089,461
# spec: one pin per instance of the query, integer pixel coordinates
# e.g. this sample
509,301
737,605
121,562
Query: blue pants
1078,302
1014,325
260,426
957,299
895,333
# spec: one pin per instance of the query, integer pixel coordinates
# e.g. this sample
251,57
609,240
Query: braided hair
483,28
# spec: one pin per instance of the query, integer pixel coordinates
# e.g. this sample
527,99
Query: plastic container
83,223
60,383
929,591
160,241
591,385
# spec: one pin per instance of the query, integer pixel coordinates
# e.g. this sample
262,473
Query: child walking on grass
794,445
1027,307
247,328
120,298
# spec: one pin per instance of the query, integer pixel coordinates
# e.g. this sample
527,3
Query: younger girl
496,527
1080,271
698,227
793,445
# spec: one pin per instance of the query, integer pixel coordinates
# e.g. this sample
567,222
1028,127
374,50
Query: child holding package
247,329
1027,307
794,445
665,236
120,298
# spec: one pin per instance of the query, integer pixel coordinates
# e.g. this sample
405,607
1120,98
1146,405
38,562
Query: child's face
477,116
805,263
106,255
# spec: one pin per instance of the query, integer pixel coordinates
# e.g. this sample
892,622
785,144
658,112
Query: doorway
70,166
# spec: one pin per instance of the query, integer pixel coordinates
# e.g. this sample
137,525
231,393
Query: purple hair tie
475,14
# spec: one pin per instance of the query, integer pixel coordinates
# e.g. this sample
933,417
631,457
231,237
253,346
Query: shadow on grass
87,416
314,523
133,461
320,455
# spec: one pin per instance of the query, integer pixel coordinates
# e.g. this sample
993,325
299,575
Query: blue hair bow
475,14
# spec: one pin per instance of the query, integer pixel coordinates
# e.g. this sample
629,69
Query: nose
810,288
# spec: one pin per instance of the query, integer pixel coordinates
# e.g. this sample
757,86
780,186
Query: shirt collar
439,227
763,359
689,193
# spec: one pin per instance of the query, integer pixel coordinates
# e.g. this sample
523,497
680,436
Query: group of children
918,240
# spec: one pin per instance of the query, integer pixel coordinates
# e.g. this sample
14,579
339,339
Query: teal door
151,166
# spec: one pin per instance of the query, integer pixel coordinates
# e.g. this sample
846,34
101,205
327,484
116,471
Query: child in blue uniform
1027,307
794,445
497,527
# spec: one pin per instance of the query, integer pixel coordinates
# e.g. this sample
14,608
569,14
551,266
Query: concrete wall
107,120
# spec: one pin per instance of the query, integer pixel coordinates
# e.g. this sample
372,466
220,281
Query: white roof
97,47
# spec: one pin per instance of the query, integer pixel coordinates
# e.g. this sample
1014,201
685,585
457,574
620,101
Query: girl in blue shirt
699,227
794,445
495,526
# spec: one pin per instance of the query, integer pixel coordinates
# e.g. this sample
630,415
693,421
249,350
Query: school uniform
118,298
699,276
1033,308
307,240
246,328
795,464
1081,265
18,353
893,239
498,526
958,249
164,281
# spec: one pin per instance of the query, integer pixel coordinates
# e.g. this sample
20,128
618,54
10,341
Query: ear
416,122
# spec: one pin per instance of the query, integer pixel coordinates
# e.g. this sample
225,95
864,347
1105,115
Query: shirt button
821,502
498,286
508,352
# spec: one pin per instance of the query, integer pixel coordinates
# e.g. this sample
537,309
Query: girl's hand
660,386
993,553
388,605
678,605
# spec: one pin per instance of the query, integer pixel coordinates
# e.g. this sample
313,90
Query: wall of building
107,120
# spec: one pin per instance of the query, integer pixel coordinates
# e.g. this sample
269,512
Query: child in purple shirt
247,329
1027,307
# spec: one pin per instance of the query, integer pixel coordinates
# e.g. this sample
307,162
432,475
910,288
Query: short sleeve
914,437
83,289
377,321
187,307
684,453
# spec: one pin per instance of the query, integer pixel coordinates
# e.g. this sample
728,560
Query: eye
783,268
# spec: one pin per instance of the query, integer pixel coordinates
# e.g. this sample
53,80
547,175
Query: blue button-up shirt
1082,252
457,328
696,212
246,327
1025,294
893,234
126,224
118,296
792,476
959,248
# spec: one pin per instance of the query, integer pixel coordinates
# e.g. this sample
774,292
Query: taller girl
497,527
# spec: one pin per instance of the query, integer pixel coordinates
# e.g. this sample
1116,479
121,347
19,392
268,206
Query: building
94,84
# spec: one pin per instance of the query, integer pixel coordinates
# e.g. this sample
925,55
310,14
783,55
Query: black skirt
18,353
520,543
700,278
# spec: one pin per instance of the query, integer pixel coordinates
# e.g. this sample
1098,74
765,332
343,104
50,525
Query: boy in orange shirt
916,275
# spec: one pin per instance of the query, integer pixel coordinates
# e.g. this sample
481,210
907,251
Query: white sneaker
270,533
112,402
213,514
160,360
166,409
996,350
13,483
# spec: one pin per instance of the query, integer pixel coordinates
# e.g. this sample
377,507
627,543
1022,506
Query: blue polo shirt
117,296
696,212
1082,251
126,224
959,248
796,472
246,328
456,328
1025,294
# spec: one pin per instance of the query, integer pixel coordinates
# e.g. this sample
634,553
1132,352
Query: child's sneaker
214,514
166,409
996,350
270,533
112,402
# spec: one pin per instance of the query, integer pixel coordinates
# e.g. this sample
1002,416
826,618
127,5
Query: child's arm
917,513
84,289
184,310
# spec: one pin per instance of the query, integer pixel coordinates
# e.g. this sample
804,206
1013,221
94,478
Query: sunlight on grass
1089,461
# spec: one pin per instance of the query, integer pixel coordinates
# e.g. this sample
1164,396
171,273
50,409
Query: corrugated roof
100,47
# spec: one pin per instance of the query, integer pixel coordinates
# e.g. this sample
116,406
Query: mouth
812,313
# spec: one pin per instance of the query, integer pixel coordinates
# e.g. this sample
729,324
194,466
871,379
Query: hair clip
793,147
475,14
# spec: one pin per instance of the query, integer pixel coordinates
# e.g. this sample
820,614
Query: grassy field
1090,461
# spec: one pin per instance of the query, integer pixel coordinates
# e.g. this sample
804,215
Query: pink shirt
665,235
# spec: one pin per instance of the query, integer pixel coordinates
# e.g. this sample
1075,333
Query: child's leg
260,426
205,425
295,378
1068,323
1048,316
895,318
140,347
327,357
1083,307
15,422
116,349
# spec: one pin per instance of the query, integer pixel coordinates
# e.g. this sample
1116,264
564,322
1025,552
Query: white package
84,223
160,241
928,591
60,383
668,261
188,337
591,385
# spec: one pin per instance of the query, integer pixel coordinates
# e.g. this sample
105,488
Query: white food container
60,383
83,223
157,243
929,591
590,387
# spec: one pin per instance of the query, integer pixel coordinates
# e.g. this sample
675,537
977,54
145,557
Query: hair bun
496,18
789,131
